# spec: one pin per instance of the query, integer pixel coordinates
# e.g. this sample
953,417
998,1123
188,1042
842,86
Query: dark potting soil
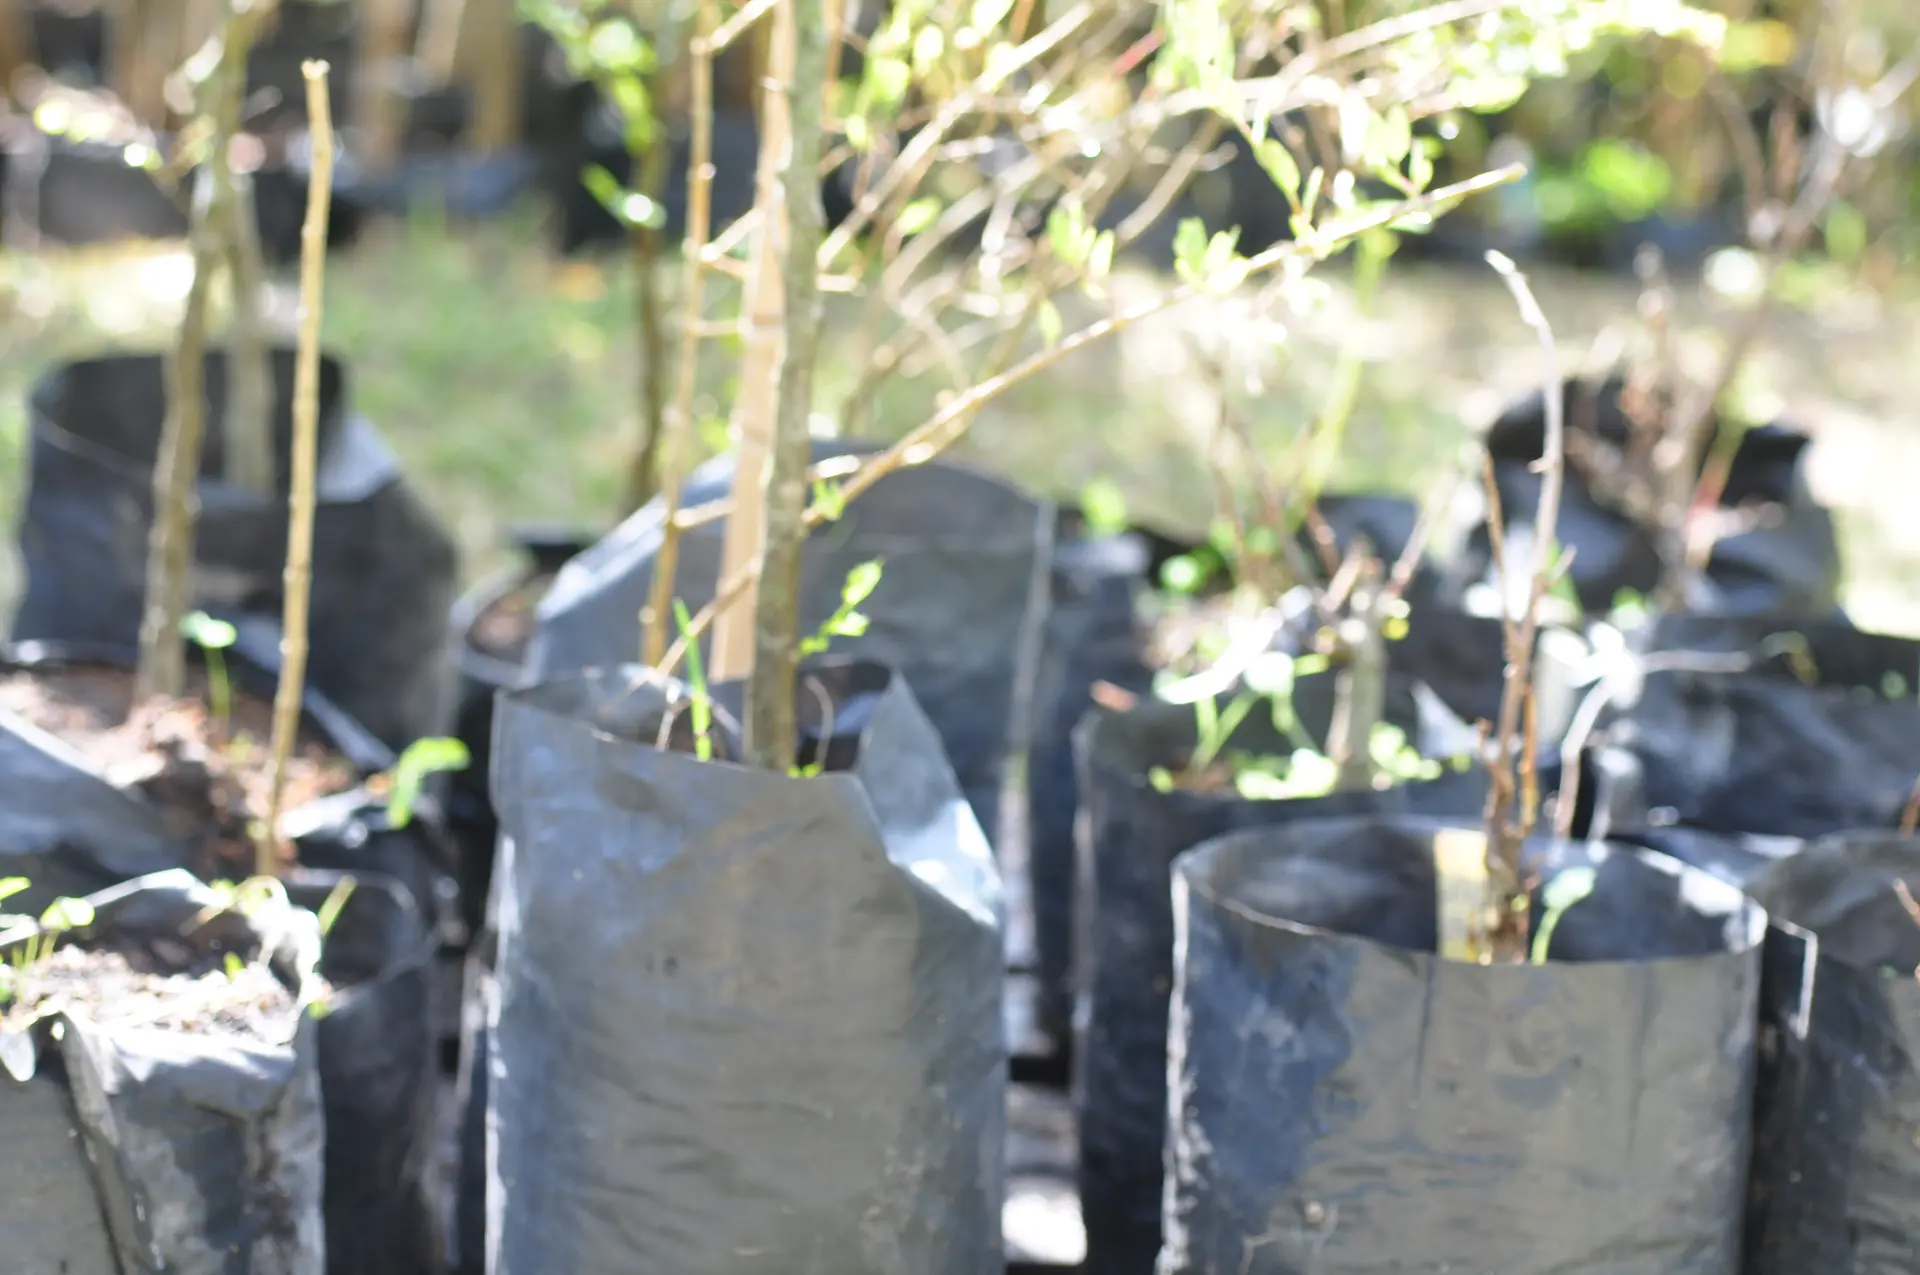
171,753
504,627
199,996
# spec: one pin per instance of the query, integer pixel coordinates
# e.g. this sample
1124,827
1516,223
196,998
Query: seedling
1558,895
422,758
62,915
847,620
702,706
212,637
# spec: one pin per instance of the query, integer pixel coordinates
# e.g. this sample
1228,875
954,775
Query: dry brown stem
306,446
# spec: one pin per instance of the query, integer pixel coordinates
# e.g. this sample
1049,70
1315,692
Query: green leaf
423,757
10,886
336,900
888,79
629,207
1190,250
206,632
1566,889
1100,260
988,14
1104,507
233,965
917,215
1389,138
1049,323
66,913
1182,574
1280,165
862,580
1067,232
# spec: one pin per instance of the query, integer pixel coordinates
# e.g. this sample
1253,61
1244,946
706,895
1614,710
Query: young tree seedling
213,637
1556,897
422,758
306,430
61,916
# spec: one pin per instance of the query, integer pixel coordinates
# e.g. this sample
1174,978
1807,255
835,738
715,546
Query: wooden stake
380,110
666,566
800,44
306,446
759,397
16,41
492,64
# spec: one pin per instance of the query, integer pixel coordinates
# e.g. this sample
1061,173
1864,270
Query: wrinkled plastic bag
958,609
741,1017
1130,835
1836,1164
1346,1103
383,567
379,1068
202,1153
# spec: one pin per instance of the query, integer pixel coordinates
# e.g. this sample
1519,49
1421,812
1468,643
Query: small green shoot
212,637
335,901
1104,508
1630,609
847,620
1559,894
696,687
233,965
63,914
423,757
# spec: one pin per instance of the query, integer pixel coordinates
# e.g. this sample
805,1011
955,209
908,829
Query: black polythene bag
140,1151
378,1070
483,674
1836,1161
1761,752
1092,635
740,1012
1787,563
958,610
1346,1102
67,830
383,567
1129,837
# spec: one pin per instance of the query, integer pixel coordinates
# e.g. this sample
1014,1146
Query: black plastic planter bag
1785,564
958,610
1092,636
68,830
1347,1103
140,1151
745,1021
1837,1140
378,1071
1765,752
1131,833
483,674
383,568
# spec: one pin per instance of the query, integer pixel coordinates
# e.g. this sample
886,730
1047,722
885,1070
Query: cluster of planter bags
702,1018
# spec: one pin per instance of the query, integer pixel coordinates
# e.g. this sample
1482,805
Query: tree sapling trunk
306,434
247,429
643,479
800,41
1360,687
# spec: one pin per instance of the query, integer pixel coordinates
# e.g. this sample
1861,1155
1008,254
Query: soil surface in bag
1346,1103
741,1012
1787,563
378,1068
383,568
1765,751
1836,1164
1131,834
94,798
958,610
160,1101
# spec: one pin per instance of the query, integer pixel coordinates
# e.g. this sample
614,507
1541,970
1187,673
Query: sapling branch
771,732
1910,814
1360,684
692,311
1509,812
306,431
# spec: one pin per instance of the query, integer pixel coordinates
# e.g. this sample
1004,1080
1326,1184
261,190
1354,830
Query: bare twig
1506,834
666,564
306,432
1910,815
643,474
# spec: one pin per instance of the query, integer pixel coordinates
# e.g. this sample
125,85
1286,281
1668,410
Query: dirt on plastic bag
1347,1103
740,1012
153,1150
